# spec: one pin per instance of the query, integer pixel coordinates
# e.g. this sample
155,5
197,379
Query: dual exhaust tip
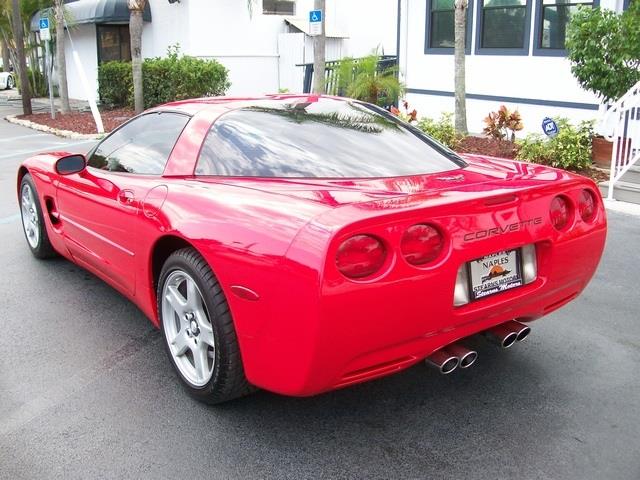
447,359
507,334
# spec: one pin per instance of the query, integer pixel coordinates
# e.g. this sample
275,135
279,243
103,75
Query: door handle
126,197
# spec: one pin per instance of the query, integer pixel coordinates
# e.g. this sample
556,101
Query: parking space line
44,149
10,219
11,139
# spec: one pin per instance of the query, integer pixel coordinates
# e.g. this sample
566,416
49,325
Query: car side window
141,146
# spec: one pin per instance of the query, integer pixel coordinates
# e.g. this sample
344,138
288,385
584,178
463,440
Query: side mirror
71,164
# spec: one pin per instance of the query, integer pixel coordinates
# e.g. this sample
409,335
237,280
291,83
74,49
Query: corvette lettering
492,232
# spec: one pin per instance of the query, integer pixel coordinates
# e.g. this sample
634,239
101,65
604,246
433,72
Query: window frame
538,51
428,49
522,51
132,119
293,2
99,41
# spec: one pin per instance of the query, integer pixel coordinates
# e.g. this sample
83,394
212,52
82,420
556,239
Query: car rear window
324,138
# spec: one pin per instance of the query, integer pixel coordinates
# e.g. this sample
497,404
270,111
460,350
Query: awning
302,24
92,11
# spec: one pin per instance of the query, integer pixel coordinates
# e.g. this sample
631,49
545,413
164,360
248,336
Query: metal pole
48,61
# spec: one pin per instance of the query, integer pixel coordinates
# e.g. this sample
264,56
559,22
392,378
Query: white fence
625,114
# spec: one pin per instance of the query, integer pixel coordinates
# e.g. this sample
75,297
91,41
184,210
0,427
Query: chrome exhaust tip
466,357
443,361
522,330
502,335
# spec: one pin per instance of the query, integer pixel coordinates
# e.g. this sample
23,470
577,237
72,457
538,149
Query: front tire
198,331
10,82
33,226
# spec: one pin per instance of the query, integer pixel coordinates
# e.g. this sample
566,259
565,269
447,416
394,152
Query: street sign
315,22
45,34
549,127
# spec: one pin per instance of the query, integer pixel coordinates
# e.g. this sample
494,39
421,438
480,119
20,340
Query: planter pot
601,150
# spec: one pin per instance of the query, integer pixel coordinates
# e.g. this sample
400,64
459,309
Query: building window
113,43
278,7
552,19
439,30
503,27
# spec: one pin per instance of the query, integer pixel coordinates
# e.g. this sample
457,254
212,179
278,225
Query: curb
55,131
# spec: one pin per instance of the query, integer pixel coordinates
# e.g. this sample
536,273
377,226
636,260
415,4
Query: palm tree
18,38
363,80
61,64
136,7
319,42
459,60
5,54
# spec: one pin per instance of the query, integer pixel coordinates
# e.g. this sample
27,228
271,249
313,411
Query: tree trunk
319,50
16,20
6,61
135,31
459,59
61,63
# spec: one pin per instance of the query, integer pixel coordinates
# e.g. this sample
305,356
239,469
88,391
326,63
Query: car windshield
325,138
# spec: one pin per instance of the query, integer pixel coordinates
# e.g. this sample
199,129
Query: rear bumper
325,332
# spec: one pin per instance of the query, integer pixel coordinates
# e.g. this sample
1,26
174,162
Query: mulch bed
491,147
82,122
505,149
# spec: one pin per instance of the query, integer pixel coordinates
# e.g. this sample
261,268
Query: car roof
222,104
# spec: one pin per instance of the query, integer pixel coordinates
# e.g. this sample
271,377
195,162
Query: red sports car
302,244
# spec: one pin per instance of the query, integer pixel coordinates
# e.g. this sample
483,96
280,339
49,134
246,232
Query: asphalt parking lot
86,390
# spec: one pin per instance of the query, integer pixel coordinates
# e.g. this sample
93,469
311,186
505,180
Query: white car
7,81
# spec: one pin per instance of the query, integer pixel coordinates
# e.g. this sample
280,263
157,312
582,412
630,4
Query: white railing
625,116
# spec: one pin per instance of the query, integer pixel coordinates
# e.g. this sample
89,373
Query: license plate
495,273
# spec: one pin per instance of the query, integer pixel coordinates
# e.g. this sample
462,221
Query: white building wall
505,77
247,44
84,40
170,26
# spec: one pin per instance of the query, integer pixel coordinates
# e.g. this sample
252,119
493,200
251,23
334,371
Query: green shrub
37,81
603,47
364,80
442,130
569,149
164,80
115,83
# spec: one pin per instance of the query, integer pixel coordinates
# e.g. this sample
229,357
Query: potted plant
604,50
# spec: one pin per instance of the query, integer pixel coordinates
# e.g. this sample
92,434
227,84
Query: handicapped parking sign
315,16
315,22
44,23
549,127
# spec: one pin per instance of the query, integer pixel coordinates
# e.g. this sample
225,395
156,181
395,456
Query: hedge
164,80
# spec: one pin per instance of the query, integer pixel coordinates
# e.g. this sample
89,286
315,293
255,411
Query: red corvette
303,243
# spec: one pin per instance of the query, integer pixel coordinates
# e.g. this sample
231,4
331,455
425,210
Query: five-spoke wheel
198,330
187,328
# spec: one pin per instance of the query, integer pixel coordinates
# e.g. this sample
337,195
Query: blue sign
44,23
315,16
549,127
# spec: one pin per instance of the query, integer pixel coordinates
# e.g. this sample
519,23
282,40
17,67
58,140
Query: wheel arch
22,171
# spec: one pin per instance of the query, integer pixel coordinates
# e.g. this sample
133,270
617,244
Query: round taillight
360,256
559,212
587,205
421,244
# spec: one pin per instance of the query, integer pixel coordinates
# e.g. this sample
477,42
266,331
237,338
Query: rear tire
198,331
33,226
10,82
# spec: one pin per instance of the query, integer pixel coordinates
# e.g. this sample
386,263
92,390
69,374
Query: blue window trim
503,51
498,98
447,50
547,52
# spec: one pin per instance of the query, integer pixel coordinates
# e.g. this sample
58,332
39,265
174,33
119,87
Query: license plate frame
490,270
